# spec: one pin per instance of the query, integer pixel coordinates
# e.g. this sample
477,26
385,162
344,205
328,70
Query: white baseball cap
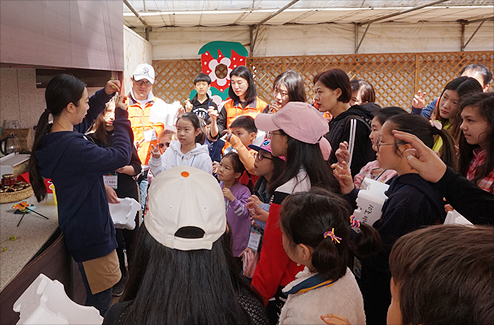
144,71
181,197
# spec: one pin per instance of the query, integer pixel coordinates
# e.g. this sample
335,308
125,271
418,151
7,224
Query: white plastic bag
123,214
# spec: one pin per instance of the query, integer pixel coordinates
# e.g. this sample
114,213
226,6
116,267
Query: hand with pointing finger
422,158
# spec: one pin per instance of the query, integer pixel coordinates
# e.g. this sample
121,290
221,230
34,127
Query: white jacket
197,157
343,298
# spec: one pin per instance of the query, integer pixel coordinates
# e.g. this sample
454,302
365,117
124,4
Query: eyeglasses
143,82
379,144
162,145
259,157
270,134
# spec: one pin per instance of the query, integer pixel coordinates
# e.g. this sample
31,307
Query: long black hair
60,92
421,127
309,157
305,217
170,286
462,86
243,72
484,104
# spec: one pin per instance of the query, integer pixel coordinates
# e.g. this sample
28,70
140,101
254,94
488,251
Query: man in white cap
148,116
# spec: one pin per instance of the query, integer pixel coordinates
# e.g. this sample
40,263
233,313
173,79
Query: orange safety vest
139,122
234,109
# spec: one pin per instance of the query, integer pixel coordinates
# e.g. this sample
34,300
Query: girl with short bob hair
476,160
76,167
288,87
349,124
243,101
362,92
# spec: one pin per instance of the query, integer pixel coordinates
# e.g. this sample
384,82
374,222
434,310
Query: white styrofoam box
370,201
45,302
14,163
455,218
123,213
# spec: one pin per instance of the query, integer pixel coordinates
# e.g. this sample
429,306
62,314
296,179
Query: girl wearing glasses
412,203
297,133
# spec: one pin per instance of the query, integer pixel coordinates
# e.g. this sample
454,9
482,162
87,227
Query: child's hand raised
120,102
188,106
342,153
228,194
215,167
213,113
418,100
233,139
155,152
344,177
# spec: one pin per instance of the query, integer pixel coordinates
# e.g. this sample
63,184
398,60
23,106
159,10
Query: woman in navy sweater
76,166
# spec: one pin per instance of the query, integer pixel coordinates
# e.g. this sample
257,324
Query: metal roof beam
369,22
480,20
463,23
276,13
402,12
136,13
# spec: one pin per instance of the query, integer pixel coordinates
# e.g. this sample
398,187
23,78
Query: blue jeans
143,187
100,301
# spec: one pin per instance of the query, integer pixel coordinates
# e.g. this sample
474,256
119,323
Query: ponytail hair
422,128
60,92
306,217
197,123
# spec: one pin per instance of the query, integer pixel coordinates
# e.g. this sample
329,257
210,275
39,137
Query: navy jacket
76,166
412,203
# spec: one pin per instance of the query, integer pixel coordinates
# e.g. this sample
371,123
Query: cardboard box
25,138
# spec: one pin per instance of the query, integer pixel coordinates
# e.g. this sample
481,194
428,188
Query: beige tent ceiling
188,13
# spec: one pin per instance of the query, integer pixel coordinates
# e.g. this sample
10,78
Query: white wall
324,39
136,50
20,99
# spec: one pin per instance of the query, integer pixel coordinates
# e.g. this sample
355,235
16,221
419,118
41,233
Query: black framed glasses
260,157
143,82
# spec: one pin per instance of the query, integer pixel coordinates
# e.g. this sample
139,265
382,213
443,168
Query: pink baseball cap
300,121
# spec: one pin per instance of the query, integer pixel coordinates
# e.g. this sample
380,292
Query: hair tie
331,234
354,222
436,127
47,111
325,147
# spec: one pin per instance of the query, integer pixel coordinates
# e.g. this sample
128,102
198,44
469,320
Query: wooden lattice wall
395,77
